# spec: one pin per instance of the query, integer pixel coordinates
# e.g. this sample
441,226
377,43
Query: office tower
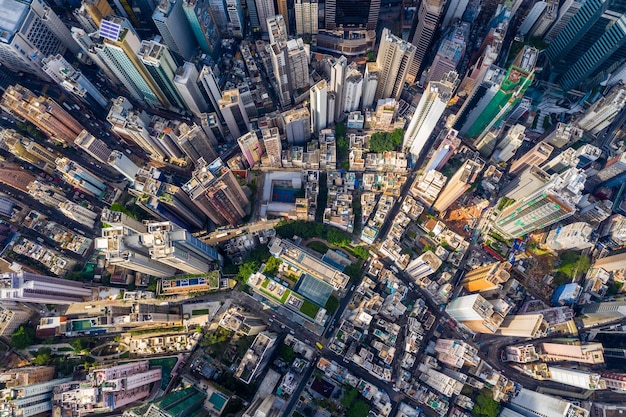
194,141
590,46
122,247
25,287
526,183
455,11
273,148
79,177
306,17
450,53
448,143
613,173
393,61
508,146
429,110
118,51
251,148
174,246
543,207
602,112
424,265
350,14
162,67
264,10
522,108
428,16
291,69
575,236
567,10
533,404
123,165
564,134
219,10
212,127
476,313
297,125
91,12
202,22
217,193
353,87
547,18
43,112
26,400
319,106
536,156
370,84
186,84
487,278
78,213
93,146
172,24
210,84
236,17
30,151
337,80
31,31
72,80
427,187
492,100
163,136
232,109
460,182
600,313
531,18
277,29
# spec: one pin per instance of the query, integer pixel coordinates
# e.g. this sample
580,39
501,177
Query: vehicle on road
319,345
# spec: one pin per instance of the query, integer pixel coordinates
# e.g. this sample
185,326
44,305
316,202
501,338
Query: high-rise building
533,404
174,246
203,24
212,127
549,204
575,236
30,151
602,112
32,288
123,165
487,278
297,126
613,173
450,53
220,11
526,183
547,18
319,106
393,61
277,29
211,87
72,80
173,25
93,146
31,31
370,84
424,265
351,14
11,317
428,16
232,109
352,90
536,156
251,148
290,63
236,17
492,100
427,187
217,193
162,67
80,177
532,17
273,148
118,51
186,82
564,134
283,10
507,148
567,10
91,13
306,17
337,80
460,182
447,143
194,141
43,112
264,10
26,400
429,110
476,313
455,11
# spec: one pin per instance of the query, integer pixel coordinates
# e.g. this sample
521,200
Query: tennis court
284,194
314,289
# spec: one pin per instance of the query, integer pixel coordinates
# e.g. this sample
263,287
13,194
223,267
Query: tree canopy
23,337
574,264
484,406
386,141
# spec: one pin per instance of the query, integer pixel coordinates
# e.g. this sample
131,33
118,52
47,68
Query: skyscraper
273,148
590,46
602,112
428,112
216,192
450,53
352,89
393,61
547,205
264,9
476,313
460,182
30,32
194,141
186,82
236,17
337,80
533,404
93,146
536,156
567,10
613,173
173,25
306,17
201,19
162,67
210,84
455,11
291,68
487,278
219,8
351,14
319,106
370,84
26,287
91,13
283,10
251,148
428,17
234,113
508,146
424,265
297,123
43,112
72,80
447,143
123,165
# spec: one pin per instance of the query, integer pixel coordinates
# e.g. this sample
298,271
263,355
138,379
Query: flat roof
13,14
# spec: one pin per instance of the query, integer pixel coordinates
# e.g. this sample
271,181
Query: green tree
245,270
354,272
349,396
342,148
371,56
360,252
271,266
331,304
614,288
43,357
23,337
286,353
337,237
359,409
574,264
485,406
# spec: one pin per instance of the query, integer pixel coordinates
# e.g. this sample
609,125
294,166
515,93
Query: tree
573,264
360,252
286,353
23,337
271,266
342,148
359,409
43,357
245,270
349,396
331,304
354,272
337,237
371,56
485,406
